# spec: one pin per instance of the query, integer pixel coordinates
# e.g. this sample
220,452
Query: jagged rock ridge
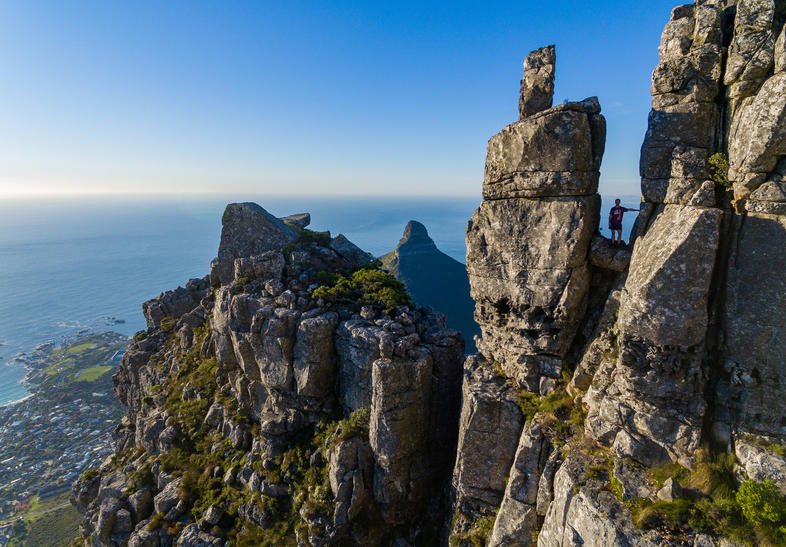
617,398
259,413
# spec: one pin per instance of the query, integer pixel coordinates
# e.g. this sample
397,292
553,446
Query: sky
363,98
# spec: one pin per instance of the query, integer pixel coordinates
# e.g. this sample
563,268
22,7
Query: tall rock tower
527,244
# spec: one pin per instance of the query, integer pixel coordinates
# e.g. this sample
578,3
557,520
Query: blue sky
301,97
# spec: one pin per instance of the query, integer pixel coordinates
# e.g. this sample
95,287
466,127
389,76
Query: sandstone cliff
600,374
263,411
296,396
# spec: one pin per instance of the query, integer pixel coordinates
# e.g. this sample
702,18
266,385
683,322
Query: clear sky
301,97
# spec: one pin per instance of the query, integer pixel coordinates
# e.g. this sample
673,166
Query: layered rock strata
527,244
676,347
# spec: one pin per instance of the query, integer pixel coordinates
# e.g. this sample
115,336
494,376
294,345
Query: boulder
666,292
517,516
165,500
537,84
192,536
247,230
350,470
399,432
300,220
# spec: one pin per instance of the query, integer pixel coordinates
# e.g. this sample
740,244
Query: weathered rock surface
489,431
537,84
247,230
517,517
277,365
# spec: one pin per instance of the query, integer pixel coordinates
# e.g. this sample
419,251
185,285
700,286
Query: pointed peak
415,239
415,230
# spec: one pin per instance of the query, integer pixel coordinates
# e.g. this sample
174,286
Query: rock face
433,279
537,85
527,244
258,371
248,230
674,345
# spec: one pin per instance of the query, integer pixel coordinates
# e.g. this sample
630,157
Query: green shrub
89,474
477,534
168,323
141,335
529,404
761,502
719,170
365,286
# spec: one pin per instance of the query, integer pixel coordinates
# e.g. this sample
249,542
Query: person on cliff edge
615,222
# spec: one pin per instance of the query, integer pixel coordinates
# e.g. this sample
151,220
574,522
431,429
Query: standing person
615,221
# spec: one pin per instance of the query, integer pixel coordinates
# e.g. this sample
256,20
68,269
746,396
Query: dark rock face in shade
434,279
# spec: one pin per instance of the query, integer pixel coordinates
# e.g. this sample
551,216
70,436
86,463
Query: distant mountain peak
415,240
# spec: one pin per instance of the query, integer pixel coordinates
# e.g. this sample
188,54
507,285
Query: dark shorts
615,226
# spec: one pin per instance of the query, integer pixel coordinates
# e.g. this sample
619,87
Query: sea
71,266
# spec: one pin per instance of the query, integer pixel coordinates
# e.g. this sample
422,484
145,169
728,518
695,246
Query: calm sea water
73,265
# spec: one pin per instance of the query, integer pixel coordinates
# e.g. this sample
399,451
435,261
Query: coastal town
62,428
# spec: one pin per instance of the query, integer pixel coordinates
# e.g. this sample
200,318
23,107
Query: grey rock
537,84
192,536
123,523
212,515
603,255
165,500
301,220
583,513
314,358
105,521
489,431
517,516
757,138
633,479
349,251
350,470
665,295
142,537
141,504
528,271
175,303
399,434
760,464
247,230
751,392
670,491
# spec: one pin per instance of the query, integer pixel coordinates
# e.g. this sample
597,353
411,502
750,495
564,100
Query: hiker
615,221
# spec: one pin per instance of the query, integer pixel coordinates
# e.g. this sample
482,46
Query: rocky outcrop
537,84
247,230
253,371
274,400
433,279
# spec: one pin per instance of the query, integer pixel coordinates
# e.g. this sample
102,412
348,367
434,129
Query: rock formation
617,397
259,410
671,355
433,279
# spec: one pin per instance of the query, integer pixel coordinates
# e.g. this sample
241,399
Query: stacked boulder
528,248
528,242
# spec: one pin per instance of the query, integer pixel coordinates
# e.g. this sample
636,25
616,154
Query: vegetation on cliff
366,286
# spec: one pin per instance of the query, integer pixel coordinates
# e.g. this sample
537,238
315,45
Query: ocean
78,265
